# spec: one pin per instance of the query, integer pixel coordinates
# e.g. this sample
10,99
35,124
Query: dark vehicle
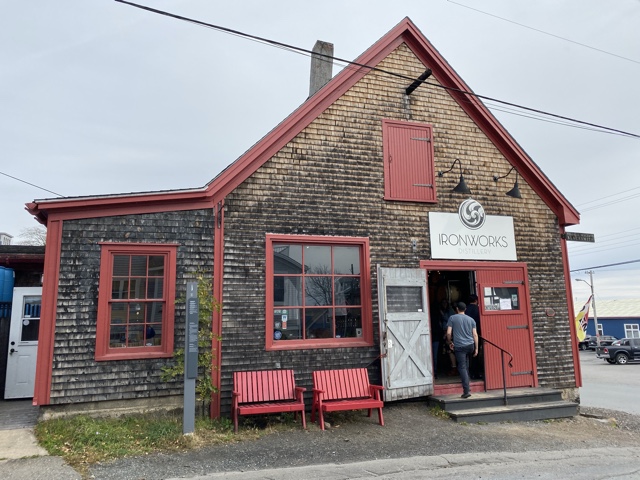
584,345
604,341
627,351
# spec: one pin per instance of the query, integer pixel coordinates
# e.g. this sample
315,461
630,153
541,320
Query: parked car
604,341
627,351
584,345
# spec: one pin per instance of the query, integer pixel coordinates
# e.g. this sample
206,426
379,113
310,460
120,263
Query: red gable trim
269,145
406,32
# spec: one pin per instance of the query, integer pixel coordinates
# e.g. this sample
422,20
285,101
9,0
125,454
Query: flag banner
582,320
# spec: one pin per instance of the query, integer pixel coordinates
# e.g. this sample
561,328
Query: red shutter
408,162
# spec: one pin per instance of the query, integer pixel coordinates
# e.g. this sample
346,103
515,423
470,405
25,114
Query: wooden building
330,242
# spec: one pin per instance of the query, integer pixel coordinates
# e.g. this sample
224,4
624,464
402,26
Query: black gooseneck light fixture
462,185
515,191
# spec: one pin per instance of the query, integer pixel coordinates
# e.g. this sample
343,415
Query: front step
523,404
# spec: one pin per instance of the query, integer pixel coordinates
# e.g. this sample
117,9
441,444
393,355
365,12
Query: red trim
103,350
46,335
365,292
218,275
572,315
269,145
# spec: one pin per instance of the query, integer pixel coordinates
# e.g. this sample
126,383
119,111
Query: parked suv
584,345
604,341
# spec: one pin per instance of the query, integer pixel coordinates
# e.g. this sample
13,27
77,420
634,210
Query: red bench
349,389
263,392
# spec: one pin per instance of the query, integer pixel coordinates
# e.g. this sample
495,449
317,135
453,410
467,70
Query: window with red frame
317,291
135,303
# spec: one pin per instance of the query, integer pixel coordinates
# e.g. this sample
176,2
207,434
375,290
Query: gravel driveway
410,430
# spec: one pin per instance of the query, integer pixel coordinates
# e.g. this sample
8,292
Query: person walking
476,367
463,328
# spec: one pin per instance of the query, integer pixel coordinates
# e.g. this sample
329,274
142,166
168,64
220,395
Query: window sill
131,355
319,344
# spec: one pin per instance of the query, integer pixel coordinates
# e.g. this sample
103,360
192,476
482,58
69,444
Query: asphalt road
614,387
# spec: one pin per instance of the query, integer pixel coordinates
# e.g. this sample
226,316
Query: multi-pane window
135,313
317,292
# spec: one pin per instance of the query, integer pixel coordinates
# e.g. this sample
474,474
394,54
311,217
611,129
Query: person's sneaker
465,395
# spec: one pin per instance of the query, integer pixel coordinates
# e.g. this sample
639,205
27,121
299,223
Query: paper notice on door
505,304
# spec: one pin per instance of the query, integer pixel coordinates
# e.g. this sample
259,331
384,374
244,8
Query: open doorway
446,288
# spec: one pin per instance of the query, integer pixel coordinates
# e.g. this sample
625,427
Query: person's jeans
462,354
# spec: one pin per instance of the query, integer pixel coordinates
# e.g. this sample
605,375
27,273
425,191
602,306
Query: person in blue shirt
463,328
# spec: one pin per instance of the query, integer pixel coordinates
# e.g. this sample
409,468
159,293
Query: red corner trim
572,315
218,271
44,359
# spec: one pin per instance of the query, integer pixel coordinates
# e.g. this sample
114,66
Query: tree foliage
33,236
207,305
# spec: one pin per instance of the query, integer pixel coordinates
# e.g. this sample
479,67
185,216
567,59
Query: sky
98,97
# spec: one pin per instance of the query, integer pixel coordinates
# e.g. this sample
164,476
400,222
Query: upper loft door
23,342
405,340
506,321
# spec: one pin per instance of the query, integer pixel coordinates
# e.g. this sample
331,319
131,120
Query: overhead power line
546,33
293,48
32,184
605,266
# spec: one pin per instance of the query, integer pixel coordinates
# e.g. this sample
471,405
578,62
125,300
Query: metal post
593,305
190,359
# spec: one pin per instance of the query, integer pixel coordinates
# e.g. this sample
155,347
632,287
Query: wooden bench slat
346,389
268,391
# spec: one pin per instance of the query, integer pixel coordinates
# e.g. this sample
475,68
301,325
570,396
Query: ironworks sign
471,234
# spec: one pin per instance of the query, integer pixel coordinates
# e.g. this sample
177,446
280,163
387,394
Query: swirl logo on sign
471,214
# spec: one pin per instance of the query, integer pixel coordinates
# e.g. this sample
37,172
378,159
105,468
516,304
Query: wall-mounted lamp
462,186
515,191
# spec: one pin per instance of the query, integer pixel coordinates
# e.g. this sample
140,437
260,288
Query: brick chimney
321,66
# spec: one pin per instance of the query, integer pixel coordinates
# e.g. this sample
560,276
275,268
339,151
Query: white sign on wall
470,234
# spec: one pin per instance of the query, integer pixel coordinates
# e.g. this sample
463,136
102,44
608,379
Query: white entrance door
23,342
405,340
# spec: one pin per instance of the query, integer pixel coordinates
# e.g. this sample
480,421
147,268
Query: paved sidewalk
534,465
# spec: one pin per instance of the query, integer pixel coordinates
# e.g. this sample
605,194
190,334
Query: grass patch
439,412
83,440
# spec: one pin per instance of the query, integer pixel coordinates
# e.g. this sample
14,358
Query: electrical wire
369,67
605,266
546,33
32,184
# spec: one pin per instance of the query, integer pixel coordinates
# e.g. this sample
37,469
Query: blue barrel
6,292
2,269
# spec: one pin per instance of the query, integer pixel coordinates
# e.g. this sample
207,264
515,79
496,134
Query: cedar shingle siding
77,377
329,181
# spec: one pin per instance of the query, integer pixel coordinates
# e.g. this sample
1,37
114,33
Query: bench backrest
264,386
342,384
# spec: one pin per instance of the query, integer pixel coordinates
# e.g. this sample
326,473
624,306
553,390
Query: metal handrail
504,377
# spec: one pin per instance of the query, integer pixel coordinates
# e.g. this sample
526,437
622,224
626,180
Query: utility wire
608,196
33,185
351,63
546,33
605,266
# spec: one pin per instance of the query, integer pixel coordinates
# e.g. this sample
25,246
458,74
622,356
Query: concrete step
495,398
517,413
523,404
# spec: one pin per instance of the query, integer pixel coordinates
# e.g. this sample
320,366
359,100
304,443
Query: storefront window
315,292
